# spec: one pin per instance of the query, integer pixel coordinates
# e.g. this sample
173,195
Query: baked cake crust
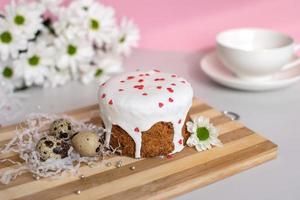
157,141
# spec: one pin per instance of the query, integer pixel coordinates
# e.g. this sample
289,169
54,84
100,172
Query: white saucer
212,67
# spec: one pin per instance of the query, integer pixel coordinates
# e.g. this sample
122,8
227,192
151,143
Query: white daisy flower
80,7
102,66
57,77
10,75
68,24
46,36
72,53
100,24
25,18
128,37
11,42
35,63
109,63
64,29
71,18
52,5
203,134
92,73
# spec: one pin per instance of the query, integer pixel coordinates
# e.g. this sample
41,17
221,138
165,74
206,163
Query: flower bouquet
45,44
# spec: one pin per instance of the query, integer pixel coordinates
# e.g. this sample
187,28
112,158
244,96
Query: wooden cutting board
155,178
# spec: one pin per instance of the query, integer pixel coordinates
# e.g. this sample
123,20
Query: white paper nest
24,144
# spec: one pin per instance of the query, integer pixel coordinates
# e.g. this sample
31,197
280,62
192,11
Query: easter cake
144,113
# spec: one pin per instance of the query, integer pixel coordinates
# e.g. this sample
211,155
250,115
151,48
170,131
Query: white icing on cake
136,101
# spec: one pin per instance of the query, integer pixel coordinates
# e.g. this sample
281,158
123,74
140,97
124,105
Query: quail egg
87,143
62,129
51,147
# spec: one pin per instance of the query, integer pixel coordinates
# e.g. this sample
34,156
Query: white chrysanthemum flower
102,67
109,63
80,8
64,29
35,63
52,5
128,37
10,75
72,54
91,73
68,24
57,77
100,24
24,17
71,18
203,134
46,36
11,42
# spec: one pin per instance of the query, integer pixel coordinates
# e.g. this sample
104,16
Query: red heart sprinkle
122,81
159,79
137,129
170,90
141,80
140,87
120,90
147,74
130,77
179,121
158,87
110,102
145,94
156,70
173,84
169,156
103,96
170,99
160,104
141,74
180,141
173,75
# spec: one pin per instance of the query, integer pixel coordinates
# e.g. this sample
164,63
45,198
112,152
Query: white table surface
274,114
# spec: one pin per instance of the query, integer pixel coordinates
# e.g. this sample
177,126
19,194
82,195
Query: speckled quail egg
51,147
62,129
87,143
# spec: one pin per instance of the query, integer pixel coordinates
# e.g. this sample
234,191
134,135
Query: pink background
190,25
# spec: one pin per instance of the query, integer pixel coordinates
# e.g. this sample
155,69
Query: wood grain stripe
136,179
46,183
217,175
123,172
198,109
210,167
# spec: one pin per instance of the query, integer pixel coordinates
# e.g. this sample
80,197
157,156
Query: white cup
256,54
